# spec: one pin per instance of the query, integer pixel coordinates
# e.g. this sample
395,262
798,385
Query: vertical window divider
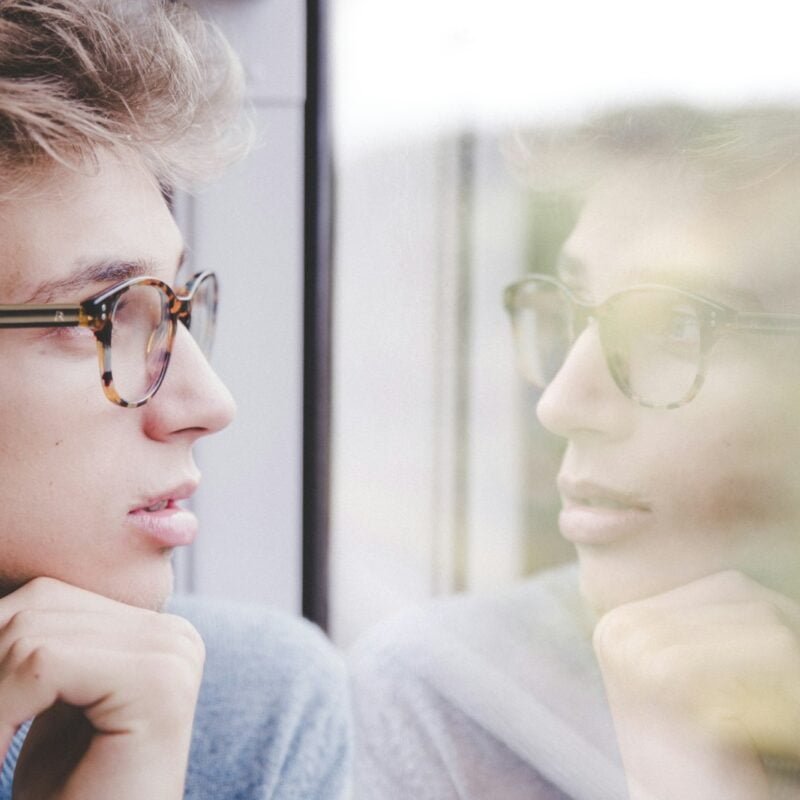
317,311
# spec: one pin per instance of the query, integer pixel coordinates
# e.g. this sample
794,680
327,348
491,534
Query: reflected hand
702,682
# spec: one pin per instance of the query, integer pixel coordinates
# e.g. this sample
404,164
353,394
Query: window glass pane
607,148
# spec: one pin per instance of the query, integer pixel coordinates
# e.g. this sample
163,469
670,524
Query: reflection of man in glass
668,346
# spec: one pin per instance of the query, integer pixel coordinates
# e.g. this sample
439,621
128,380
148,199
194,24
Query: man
103,105
667,348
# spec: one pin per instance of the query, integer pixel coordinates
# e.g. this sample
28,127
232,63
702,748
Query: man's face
656,498
77,471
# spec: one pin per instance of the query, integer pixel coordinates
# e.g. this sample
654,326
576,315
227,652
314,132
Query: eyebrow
573,272
102,271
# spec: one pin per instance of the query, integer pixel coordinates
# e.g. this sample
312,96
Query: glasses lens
203,313
542,319
139,341
653,343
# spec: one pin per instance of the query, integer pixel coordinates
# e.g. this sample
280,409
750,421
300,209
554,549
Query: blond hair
731,149
79,76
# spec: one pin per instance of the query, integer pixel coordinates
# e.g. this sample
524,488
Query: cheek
735,485
58,514
46,480
740,466
54,457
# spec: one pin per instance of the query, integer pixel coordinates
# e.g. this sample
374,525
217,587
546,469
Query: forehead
71,220
662,223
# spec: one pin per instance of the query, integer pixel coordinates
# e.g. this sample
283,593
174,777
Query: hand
113,689
702,682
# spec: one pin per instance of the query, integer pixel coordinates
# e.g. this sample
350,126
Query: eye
682,328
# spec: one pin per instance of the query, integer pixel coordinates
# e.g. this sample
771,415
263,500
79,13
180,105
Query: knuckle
733,580
769,613
185,635
606,631
22,621
632,649
19,651
616,630
173,678
38,589
660,667
784,644
38,661
180,626
669,676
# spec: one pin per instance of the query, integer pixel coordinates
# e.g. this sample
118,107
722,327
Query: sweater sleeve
272,719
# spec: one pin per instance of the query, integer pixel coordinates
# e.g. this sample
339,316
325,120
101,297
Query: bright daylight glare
422,67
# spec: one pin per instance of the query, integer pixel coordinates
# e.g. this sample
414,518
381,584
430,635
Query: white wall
248,227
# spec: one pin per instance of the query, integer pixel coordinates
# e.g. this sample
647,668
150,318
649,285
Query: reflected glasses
655,339
134,323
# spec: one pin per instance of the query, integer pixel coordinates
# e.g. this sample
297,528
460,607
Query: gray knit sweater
272,719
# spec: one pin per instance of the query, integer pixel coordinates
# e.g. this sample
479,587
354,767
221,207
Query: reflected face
77,473
653,499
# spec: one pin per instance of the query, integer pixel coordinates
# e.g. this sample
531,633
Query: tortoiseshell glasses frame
139,316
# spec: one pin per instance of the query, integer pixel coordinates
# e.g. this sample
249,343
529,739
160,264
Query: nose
192,401
583,399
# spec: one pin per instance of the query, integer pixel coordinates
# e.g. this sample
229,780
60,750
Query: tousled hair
732,149
148,76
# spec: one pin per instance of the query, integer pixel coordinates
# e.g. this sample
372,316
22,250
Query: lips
595,495
162,520
159,506
157,502
593,513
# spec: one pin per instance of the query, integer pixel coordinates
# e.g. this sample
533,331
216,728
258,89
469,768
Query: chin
149,587
150,592
609,579
599,598
606,583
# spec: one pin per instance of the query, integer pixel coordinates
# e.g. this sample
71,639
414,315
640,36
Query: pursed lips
163,521
595,514
594,495
160,501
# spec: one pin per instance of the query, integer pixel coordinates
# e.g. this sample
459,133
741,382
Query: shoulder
544,610
272,718
443,685
258,642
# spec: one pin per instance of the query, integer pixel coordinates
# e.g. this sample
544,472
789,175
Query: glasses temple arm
44,316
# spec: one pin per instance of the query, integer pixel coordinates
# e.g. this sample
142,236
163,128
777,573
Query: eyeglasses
655,339
134,323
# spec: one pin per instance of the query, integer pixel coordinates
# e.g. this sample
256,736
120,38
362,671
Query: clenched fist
113,689
703,683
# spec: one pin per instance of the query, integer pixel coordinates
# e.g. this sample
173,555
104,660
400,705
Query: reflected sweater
496,696
272,718
493,696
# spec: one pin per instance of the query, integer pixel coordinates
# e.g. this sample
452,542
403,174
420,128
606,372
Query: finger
45,593
23,694
629,633
133,633
729,586
119,693
729,681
